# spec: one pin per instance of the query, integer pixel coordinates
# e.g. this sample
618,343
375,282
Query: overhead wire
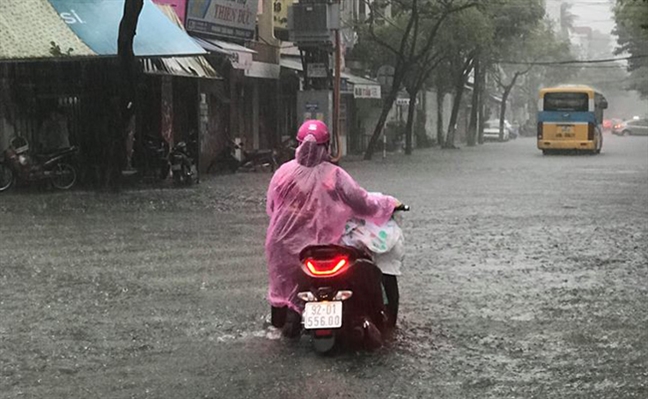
572,62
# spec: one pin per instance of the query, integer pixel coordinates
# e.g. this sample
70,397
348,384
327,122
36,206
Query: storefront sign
366,91
317,70
404,101
228,18
280,13
240,60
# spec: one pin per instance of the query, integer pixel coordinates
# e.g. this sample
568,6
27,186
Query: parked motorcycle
344,299
251,160
286,151
183,166
19,165
156,157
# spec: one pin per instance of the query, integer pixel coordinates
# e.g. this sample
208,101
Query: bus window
566,102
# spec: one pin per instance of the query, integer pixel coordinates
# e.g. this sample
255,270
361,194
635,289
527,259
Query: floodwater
526,277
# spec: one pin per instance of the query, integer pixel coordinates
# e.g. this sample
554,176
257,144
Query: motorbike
286,151
156,158
248,160
19,165
183,166
343,300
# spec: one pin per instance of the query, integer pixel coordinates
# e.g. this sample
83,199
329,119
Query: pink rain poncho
309,202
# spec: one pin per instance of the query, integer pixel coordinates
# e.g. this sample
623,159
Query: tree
520,35
414,82
408,38
123,108
465,35
480,38
632,31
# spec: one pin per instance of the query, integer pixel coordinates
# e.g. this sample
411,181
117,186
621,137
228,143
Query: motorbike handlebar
402,208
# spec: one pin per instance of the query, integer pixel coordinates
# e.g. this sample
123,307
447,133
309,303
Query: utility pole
314,26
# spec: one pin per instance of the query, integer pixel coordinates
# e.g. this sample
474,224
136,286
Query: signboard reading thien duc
225,18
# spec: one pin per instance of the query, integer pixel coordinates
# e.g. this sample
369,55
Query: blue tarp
96,23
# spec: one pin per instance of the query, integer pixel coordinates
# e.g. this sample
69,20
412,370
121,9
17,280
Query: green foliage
632,31
56,51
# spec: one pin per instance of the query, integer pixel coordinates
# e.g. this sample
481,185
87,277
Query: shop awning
192,67
362,87
263,70
31,29
292,63
239,56
96,23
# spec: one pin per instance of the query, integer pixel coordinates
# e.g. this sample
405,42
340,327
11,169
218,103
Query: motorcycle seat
56,153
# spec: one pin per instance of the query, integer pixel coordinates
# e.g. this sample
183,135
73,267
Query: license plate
566,129
322,315
176,167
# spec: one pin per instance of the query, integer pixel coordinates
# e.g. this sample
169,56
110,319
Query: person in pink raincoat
309,201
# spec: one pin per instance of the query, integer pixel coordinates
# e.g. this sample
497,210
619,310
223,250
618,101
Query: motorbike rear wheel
63,176
324,345
186,173
7,178
183,177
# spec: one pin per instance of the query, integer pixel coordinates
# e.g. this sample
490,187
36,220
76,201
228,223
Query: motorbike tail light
539,130
326,267
590,131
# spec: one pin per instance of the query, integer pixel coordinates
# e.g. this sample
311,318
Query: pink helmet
316,128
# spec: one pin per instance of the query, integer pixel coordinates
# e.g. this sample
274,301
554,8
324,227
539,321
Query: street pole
337,96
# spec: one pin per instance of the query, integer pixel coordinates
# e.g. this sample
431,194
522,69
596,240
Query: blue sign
96,23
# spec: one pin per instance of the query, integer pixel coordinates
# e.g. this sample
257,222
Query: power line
572,62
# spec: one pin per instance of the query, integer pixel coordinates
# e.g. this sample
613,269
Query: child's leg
391,289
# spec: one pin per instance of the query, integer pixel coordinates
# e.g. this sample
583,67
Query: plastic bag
385,241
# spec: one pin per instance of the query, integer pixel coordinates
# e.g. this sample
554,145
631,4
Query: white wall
431,105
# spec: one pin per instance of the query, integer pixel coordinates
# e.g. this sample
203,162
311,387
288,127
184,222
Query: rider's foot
373,337
278,316
292,326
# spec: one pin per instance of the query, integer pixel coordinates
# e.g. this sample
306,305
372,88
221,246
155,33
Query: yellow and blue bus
570,118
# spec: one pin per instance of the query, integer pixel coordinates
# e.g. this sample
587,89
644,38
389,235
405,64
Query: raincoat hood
310,154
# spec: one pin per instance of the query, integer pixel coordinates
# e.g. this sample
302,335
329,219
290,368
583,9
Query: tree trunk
483,100
474,111
422,139
507,91
456,104
410,122
502,116
123,109
454,116
440,96
387,105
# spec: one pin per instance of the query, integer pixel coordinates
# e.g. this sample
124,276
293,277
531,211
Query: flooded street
526,277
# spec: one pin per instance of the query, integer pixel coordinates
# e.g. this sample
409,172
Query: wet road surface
526,277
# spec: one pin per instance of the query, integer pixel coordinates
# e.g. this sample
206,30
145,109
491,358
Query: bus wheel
545,152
